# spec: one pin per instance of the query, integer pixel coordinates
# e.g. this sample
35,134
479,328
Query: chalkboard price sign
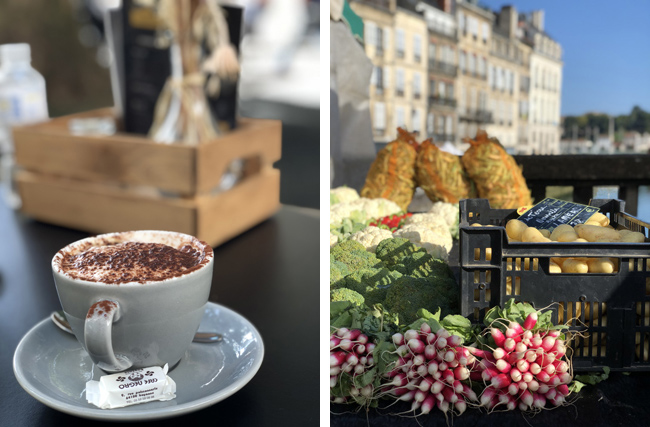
549,213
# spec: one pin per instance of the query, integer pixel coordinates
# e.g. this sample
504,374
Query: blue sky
606,51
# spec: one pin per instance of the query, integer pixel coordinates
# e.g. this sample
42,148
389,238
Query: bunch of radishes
350,360
524,369
430,371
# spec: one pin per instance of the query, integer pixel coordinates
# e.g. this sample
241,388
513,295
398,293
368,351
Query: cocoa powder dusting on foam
131,262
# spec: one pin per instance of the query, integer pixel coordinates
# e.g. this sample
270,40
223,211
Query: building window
491,77
472,23
415,120
380,40
379,80
399,83
450,91
461,22
449,126
485,32
417,84
432,87
430,118
461,61
481,66
386,78
370,33
440,126
471,64
379,122
386,33
462,99
417,48
472,99
399,35
400,120
432,52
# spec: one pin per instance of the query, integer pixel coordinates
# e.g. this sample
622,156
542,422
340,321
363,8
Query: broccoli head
343,294
353,255
338,271
409,294
391,251
371,283
449,291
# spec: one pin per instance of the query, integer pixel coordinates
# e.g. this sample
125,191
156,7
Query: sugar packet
131,387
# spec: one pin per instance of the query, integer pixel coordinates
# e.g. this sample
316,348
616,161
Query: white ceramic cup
133,325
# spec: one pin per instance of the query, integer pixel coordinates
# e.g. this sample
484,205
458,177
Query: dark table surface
270,275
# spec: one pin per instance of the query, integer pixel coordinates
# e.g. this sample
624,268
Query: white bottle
22,101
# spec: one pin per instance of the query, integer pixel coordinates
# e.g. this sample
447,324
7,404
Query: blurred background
279,55
541,76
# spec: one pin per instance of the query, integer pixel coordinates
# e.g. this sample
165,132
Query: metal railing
443,67
481,116
584,172
447,102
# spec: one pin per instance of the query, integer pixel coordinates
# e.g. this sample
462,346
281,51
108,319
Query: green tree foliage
638,120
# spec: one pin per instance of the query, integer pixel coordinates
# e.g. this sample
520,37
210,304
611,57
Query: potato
558,261
581,240
545,233
595,233
575,265
640,305
563,228
629,236
567,236
600,265
476,224
600,219
554,268
531,234
515,228
591,222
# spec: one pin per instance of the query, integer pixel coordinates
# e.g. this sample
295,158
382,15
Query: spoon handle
58,317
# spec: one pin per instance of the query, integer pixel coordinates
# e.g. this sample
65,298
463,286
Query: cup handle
97,335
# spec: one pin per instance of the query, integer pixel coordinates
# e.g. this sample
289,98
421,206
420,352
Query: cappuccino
117,261
134,299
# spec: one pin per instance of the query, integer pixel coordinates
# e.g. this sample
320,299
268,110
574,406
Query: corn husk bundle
188,27
497,176
392,173
441,175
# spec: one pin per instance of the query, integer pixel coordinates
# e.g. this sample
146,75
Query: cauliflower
370,237
447,211
432,220
436,241
361,210
334,239
343,195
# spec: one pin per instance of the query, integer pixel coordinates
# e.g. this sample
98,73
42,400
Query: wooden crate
124,182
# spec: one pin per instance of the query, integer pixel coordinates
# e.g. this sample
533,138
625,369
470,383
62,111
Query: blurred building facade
447,68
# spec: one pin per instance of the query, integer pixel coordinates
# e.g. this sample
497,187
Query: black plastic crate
611,310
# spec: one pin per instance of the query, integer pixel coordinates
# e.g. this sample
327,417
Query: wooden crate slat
49,148
231,213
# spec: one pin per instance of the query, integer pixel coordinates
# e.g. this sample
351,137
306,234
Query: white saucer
52,366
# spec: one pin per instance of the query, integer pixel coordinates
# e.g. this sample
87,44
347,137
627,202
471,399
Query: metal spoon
58,317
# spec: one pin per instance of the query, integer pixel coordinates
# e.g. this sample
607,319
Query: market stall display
390,289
